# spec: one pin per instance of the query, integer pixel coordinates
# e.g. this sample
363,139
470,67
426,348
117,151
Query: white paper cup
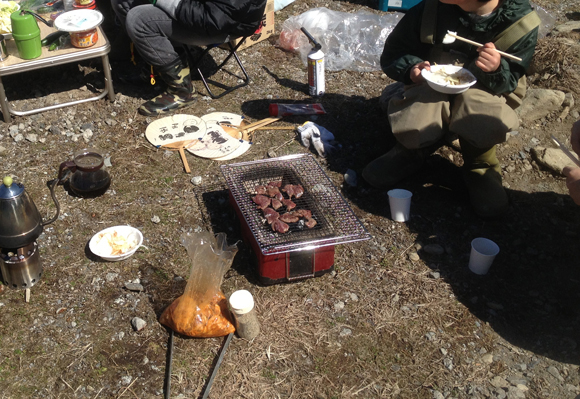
400,203
483,252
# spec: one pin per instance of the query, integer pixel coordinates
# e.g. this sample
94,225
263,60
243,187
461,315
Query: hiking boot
179,93
394,166
482,175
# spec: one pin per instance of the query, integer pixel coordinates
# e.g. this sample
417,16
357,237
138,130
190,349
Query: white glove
319,137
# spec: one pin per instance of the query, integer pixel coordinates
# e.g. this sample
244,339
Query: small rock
487,358
499,382
520,367
551,158
2,150
435,275
443,351
345,332
339,306
126,379
514,393
438,395
17,138
134,287
196,180
138,323
448,363
111,276
554,371
155,219
522,387
414,256
353,297
33,138
350,178
434,249
87,134
430,336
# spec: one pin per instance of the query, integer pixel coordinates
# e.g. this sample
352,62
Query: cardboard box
264,31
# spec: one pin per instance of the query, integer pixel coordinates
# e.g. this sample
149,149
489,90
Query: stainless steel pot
20,221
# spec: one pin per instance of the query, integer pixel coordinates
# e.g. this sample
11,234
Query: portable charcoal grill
301,252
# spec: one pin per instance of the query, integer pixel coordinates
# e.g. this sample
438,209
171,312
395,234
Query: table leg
108,78
4,104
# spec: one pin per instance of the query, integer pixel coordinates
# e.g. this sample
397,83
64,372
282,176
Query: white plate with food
448,79
116,243
78,20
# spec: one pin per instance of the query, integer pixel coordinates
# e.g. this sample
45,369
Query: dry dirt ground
397,318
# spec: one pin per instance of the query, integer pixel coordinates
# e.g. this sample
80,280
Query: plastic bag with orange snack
202,310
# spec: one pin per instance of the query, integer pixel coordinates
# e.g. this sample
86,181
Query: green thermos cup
26,34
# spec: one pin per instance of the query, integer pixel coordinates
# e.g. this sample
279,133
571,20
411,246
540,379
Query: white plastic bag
349,41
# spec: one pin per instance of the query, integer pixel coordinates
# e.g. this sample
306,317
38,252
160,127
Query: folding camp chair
231,53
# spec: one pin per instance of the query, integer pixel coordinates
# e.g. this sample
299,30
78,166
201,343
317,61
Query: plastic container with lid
246,322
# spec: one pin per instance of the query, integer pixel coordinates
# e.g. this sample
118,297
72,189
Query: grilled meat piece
310,223
298,190
272,191
275,183
289,204
289,189
276,204
261,190
279,196
271,215
279,226
303,213
262,201
289,217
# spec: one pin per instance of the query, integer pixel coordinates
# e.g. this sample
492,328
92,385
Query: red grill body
286,266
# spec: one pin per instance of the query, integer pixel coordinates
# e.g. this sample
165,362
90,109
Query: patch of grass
162,274
268,373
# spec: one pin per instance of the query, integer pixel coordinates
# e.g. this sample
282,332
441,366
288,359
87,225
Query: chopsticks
566,151
246,129
507,55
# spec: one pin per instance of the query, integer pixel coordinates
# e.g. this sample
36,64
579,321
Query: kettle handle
51,185
70,165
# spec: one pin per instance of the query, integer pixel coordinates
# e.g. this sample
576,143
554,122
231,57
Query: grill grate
336,221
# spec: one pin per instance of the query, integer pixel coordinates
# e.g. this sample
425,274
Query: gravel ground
399,316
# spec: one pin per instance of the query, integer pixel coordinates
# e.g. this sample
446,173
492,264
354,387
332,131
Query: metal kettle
20,221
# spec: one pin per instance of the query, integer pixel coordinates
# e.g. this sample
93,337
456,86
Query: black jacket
210,18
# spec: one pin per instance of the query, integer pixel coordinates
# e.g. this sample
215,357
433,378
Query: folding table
13,64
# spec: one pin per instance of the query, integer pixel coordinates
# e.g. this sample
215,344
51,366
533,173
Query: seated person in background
573,174
153,26
480,117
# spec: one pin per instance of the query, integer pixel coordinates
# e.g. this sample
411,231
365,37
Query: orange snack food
206,320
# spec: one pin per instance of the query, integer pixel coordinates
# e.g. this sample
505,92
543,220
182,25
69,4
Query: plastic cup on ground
400,203
483,252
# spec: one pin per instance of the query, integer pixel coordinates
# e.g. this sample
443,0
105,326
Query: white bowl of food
448,79
116,243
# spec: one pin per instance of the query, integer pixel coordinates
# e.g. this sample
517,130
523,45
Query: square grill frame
337,223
